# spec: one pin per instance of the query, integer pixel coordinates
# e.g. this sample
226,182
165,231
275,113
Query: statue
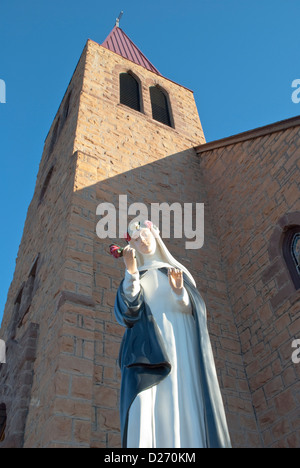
170,396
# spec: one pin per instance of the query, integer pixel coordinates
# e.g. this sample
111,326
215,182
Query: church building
124,129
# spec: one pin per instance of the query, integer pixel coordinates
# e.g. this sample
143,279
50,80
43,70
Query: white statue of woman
170,396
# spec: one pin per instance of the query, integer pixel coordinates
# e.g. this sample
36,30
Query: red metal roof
117,41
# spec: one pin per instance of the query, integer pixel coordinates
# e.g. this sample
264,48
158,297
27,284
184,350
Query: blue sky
239,57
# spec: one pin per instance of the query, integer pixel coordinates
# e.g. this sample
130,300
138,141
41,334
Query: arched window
45,184
291,253
55,136
130,91
66,109
160,106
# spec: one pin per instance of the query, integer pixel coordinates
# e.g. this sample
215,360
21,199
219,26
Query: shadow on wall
174,179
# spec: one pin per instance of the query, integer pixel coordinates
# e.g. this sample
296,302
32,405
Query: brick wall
16,377
45,233
167,180
253,191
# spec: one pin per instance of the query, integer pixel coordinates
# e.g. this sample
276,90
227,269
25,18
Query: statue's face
144,242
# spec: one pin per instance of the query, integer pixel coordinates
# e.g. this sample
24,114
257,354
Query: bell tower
121,129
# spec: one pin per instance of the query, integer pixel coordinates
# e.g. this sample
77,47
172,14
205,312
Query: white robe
170,414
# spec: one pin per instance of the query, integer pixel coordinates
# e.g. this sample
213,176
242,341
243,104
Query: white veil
162,256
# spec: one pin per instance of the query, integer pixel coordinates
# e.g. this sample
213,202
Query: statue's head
142,236
145,238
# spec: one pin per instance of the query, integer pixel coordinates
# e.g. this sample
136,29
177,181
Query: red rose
116,251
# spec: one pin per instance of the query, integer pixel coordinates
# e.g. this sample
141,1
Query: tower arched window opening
46,184
130,91
160,106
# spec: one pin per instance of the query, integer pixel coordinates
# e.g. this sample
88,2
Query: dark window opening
3,419
28,293
130,91
15,315
23,319
55,135
160,106
66,109
34,266
46,184
291,253
59,124
19,295
23,300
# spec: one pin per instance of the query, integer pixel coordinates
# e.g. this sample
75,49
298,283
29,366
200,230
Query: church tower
121,129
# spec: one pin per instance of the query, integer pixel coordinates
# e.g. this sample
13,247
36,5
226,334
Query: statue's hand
129,259
176,280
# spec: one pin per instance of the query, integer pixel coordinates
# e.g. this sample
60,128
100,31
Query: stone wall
252,185
33,296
